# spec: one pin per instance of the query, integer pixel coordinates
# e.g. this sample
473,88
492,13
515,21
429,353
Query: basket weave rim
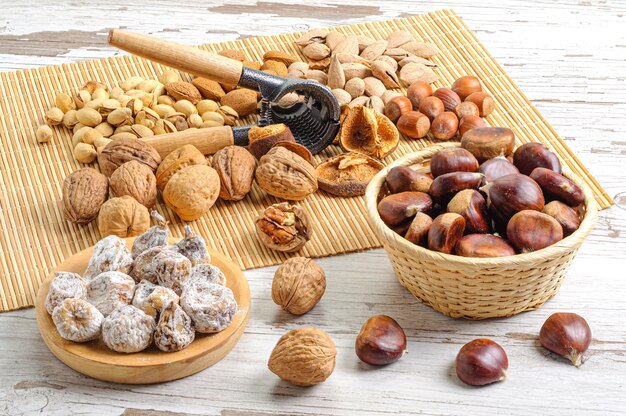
553,251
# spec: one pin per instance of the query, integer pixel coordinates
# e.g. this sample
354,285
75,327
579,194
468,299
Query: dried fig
137,180
176,161
123,217
347,174
284,227
284,174
192,191
235,167
366,131
84,192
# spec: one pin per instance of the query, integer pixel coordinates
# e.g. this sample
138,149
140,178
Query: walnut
284,227
235,167
84,192
120,151
303,357
176,161
366,131
347,174
299,283
123,217
262,139
192,191
284,174
137,180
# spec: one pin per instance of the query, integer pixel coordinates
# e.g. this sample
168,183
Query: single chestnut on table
418,230
488,142
556,186
403,178
511,194
481,362
483,245
533,155
454,159
413,124
564,214
396,208
381,341
471,205
530,230
445,231
445,186
566,334
466,85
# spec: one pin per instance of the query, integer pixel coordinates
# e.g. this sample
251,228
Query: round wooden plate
151,365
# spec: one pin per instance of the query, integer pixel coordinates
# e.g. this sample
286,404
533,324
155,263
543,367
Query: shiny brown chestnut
488,142
471,205
402,227
468,122
511,194
483,245
480,362
564,214
496,168
396,208
445,231
418,230
445,186
529,156
403,179
381,341
530,230
454,159
449,98
556,186
566,334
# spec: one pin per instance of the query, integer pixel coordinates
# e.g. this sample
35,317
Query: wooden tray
151,365
35,237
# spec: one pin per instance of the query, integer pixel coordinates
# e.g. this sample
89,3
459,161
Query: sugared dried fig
137,180
176,161
381,341
414,124
120,151
471,205
235,167
403,179
530,230
510,194
418,230
444,187
496,168
533,155
192,191
366,131
284,174
488,142
454,159
284,227
84,192
483,245
262,139
299,284
445,231
396,208
565,215
556,186
480,362
348,174
123,217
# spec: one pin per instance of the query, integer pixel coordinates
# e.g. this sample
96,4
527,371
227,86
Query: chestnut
444,126
454,159
483,245
381,341
413,124
403,179
418,230
566,334
488,142
402,227
530,230
431,107
496,168
564,214
468,122
466,85
397,106
533,155
556,186
394,209
445,231
445,186
449,98
417,91
511,194
483,101
480,362
471,205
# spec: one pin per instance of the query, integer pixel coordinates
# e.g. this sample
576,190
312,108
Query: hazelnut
284,227
483,101
445,231
431,107
469,122
397,106
449,98
445,126
123,217
418,91
414,124
466,85
299,284
466,108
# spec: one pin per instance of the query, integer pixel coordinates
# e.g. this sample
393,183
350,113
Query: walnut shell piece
298,285
176,161
368,132
262,139
137,180
120,151
235,167
284,227
84,192
347,174
284,174
123,217
192,191
303,357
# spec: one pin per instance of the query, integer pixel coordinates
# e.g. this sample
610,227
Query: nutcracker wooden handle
182,57
207,140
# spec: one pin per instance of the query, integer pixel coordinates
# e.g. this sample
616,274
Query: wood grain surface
566,56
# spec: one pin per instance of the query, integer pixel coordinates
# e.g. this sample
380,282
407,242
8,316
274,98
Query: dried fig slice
347,174
368,132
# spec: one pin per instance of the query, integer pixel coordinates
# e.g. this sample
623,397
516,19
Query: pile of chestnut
482,199
382,341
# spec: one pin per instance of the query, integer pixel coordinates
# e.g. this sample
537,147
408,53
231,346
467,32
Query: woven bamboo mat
35,237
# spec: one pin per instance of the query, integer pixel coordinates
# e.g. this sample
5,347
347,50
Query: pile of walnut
154,292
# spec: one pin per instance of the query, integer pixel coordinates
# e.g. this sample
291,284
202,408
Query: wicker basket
476,288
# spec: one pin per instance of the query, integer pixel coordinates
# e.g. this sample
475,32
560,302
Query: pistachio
131,83
124,135
89,117
120,117
159,90
194,120
78,135
229,114
148,100
141,131
185,107
69,119
213,116
100,142
44,133
95,104
81,97
207,105
166,99
100,93
115,93
148,85
123,129
91,86
169,76
163,110
107,106
90,135
77,127
54,116
64,102
85,153
105,129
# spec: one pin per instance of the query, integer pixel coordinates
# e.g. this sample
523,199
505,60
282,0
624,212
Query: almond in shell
386,74
374,50
181,90
209,89
399,38
242,100
279,56
336,76
421,49
414,72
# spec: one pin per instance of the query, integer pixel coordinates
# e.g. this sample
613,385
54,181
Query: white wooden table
567,56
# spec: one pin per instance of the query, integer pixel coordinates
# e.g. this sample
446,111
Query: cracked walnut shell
120,151
123,217
298,285
192,191
348,174
284,174
303,357
137,180
366,131
84,192
176,161
284,227
235,167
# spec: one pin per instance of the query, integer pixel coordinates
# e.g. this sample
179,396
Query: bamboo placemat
35,237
